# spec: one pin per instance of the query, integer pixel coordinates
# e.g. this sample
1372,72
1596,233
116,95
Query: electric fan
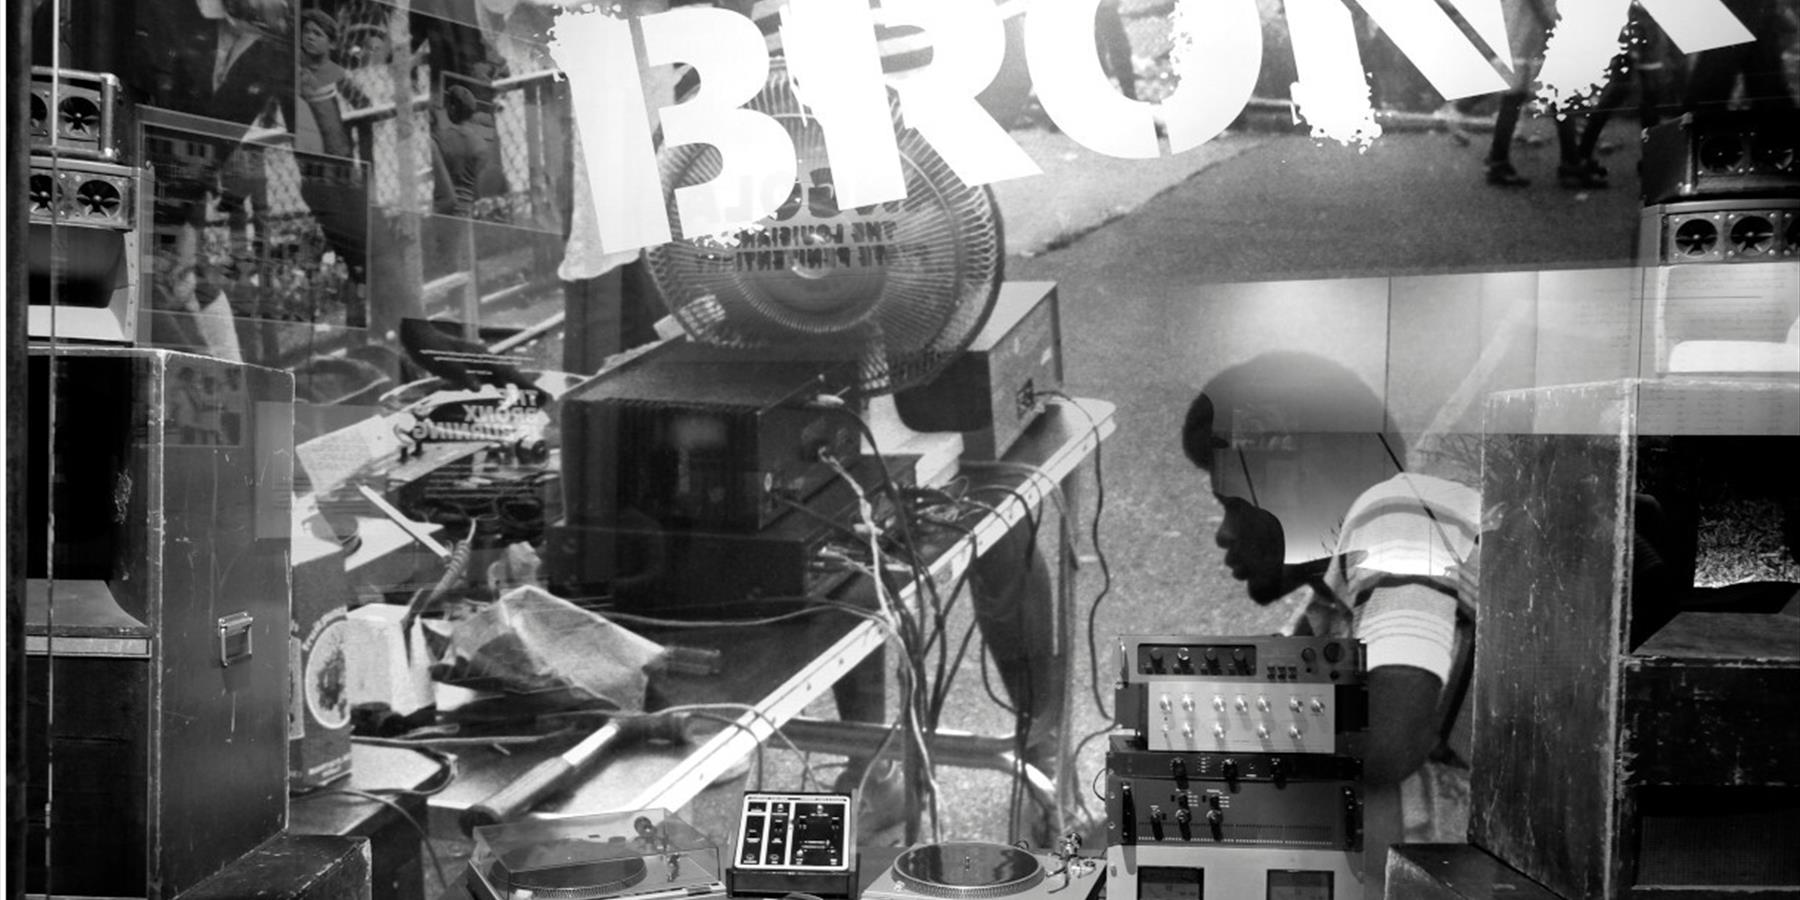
898,288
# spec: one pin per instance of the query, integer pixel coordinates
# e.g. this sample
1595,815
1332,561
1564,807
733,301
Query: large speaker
75,113
1720,231
157,617
87,219
1722,154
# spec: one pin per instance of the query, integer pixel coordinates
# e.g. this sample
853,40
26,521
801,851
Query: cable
1099,553
424,836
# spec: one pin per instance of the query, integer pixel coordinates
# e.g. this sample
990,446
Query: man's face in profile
1254,546
1252,538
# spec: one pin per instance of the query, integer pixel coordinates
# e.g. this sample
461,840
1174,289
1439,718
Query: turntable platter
571,869
967,870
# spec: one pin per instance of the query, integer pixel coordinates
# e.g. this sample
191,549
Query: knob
1229,770
1277,769
1183,662
1212,660
1157,814
1156,660
1184,816
1215,817
1318,705
1219,730
1187,729
1241,704
1183,800
1163,701
1187,702
1218,703
1308,655
1333,652
1262,731
1262,703
1178,770
1294,704
1294,732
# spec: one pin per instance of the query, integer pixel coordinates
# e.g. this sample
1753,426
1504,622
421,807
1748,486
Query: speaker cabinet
1719,231
83,249
1722,154
76,113
1633,735
157,617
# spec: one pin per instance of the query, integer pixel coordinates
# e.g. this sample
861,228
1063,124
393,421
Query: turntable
971,870
616,856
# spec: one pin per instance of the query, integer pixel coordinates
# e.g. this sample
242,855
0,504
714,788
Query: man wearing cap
1318,502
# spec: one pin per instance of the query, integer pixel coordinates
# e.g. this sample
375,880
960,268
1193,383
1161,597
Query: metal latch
234,638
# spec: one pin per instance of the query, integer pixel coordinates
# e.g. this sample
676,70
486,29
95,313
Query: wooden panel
294,867
1548,636
1455,872
1703,724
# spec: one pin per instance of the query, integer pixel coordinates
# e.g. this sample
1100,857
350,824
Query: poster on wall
458,116
258,251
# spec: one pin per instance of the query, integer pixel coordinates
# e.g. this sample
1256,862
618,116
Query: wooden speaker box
1629,740
157,617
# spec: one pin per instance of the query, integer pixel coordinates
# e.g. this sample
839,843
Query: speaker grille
83,194
88,107
1729,154
1723,231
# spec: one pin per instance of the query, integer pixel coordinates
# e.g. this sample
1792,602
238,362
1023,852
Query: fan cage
921,277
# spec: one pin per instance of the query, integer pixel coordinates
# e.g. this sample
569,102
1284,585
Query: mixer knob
1187,730
1262,731
1218,703
1294,704
1184,816
1318,706
1219,730
1294,732
1262,703
1183,662
1187,702
1163,701
1241,704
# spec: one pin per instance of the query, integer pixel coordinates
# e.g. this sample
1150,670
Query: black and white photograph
903,449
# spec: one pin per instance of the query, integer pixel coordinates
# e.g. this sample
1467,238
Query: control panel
1147,659
795,842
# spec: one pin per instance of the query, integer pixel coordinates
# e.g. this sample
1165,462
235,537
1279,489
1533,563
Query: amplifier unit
1323,815
1294,800
1126,757
76,113
1241,694
700,437
1720,154
1188,872
669,572
1720,231
1157,658
992,391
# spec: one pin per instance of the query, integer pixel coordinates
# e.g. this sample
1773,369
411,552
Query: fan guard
900,288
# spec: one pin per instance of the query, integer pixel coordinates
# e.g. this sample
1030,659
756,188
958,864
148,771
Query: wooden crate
1618,751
